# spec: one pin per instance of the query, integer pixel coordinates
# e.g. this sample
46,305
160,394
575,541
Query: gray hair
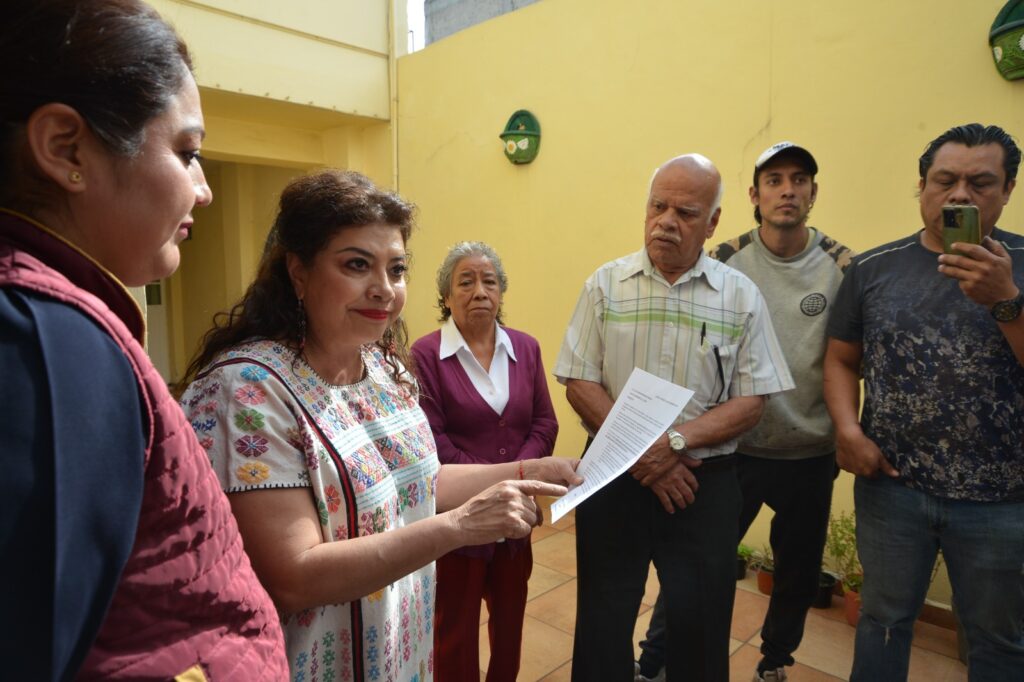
447,270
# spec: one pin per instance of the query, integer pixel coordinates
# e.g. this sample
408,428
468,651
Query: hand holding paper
646,408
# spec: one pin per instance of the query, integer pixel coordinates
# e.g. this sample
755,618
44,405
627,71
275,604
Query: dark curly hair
313,209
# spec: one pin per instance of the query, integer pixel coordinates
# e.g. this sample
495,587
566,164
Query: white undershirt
491,385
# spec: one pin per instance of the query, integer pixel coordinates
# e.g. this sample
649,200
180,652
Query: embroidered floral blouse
366,450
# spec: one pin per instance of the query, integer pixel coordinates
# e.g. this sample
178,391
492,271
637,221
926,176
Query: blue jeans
899,532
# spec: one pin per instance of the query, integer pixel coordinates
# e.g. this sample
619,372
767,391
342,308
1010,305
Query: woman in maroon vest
121,557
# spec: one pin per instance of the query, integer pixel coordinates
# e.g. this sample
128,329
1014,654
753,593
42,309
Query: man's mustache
667,236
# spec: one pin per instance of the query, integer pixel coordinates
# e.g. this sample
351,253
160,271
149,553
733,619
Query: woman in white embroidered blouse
302,398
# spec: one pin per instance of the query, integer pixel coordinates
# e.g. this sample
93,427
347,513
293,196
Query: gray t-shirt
944,394
798,291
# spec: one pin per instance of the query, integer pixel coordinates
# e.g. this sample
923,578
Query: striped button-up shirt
709,331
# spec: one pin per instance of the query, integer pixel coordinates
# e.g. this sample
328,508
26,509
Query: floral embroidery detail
251,446
375,521
313,457
253,473
321,510
357,410
206,442
203,425
333,498
384,450
249,420
253,373
251,394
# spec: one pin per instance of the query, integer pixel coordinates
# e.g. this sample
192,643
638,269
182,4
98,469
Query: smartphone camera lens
949,218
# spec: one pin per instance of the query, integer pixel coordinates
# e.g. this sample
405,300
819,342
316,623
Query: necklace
362,371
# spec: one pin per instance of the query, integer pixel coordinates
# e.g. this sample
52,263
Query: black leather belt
718,463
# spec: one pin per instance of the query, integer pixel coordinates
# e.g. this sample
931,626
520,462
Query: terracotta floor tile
934,638
542,532
835,612
643,621
557,552
803,673
743,663
748,615
825,655
827,646
571,529
562,674
564,522
543,579
928,666
545,649
748,584
556,607
651,588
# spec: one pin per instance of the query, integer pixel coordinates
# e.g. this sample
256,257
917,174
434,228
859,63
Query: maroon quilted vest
188,602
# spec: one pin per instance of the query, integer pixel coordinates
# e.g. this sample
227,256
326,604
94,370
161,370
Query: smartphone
960,224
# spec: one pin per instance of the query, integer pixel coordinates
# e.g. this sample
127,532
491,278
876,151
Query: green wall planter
1007,40
521,137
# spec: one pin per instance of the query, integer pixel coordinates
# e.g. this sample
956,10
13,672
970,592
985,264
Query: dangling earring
389,341
74,177
302,326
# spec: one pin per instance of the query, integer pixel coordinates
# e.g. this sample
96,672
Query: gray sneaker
776,675
637,677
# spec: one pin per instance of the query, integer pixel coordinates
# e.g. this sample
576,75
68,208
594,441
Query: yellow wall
284,89
619,87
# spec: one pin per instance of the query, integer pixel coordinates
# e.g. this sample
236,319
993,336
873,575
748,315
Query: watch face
676,442
1006,311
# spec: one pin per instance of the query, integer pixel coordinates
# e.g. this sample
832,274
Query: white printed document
646,408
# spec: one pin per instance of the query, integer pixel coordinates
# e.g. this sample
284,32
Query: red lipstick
373,313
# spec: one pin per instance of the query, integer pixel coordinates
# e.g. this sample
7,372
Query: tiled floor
824,655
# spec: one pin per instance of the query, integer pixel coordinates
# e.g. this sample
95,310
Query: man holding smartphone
787,461
939,450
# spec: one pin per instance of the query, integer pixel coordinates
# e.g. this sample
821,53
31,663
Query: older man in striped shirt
674,312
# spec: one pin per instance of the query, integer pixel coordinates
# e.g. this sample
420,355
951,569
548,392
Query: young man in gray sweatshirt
787,461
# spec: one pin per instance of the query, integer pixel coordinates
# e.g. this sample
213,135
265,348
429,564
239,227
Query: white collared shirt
628,315
492,385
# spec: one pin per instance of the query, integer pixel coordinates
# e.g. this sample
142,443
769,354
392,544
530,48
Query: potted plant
841,547
763,562
827,582
743,554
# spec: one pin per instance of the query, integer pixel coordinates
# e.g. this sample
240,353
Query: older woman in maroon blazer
483,388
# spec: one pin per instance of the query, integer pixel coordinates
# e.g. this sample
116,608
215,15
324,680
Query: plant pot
826,586
852,607
741,568
765,580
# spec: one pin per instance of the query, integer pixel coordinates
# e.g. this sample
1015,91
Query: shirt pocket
717,365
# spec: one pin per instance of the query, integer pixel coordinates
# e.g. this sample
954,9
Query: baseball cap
790,148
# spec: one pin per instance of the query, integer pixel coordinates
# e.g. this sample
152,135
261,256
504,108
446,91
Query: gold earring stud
75,177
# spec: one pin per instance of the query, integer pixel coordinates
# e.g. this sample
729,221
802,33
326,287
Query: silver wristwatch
676,441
